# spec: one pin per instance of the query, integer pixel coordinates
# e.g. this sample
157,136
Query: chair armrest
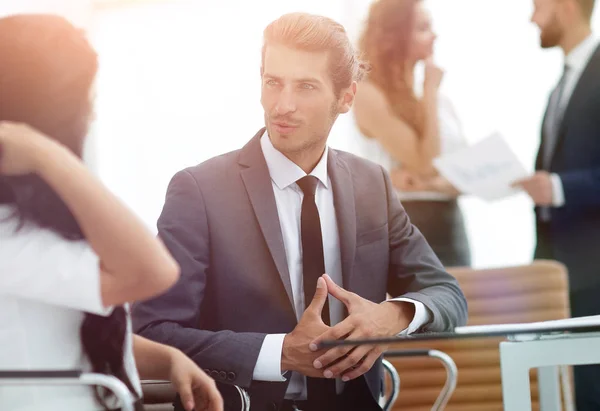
160,392
449,365
70,377
157,392
388,404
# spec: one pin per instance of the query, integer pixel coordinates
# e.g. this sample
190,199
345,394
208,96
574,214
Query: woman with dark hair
406,124
71,255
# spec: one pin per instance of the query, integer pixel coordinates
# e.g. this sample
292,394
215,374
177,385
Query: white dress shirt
576,61
47,284
288,197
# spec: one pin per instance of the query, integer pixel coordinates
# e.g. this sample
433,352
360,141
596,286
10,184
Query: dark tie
551,126
320,391
554,119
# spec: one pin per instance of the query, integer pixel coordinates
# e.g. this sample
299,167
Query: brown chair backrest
535,292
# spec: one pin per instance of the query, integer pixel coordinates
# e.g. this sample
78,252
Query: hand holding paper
539,187
486,169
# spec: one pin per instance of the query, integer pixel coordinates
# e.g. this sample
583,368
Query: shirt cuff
558,194
268,364
420,318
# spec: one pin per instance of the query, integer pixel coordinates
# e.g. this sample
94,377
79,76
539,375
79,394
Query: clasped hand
365,319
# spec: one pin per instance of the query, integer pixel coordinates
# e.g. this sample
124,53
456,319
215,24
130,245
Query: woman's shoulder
368,88
373,111
371,100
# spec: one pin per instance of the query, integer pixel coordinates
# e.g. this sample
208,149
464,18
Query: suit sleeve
173,317
581,187
416,272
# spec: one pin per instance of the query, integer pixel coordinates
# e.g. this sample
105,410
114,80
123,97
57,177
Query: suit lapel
345,211
257,182
581,92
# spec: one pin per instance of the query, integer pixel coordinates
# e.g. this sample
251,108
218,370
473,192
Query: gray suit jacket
220,222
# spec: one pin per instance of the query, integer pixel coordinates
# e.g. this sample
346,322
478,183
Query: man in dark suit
566,185
255,230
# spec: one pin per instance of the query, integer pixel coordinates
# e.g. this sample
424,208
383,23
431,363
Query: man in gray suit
255,230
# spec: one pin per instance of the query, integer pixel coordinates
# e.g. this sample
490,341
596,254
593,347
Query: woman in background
71,255
406,125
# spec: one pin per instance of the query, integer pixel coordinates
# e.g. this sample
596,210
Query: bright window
179,84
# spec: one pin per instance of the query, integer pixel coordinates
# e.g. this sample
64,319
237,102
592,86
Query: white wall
499,79
179,84
78,11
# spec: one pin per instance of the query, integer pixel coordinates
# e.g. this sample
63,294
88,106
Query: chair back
534,292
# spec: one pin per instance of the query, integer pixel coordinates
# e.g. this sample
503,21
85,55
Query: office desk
546,353
543,345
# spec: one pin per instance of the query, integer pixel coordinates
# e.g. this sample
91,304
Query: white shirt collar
578,58
284,172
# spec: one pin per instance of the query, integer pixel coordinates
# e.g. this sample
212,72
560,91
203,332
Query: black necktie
554,120
320,391
552,125
313,259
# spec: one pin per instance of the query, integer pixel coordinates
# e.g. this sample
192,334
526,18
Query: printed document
485,169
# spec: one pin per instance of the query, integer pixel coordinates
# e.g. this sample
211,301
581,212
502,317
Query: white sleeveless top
451,138
47,284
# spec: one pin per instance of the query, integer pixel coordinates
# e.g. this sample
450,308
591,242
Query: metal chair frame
447,390
244,396
71,377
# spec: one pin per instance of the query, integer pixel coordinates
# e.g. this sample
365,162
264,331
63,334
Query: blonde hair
315,33
384,43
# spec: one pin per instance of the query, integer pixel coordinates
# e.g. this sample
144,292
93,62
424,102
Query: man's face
546,17
299,100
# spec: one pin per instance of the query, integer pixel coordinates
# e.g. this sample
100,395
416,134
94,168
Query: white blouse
47,284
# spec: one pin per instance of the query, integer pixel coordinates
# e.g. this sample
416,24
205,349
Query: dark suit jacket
220,222
574,236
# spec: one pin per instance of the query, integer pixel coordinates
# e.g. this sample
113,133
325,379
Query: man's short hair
309,32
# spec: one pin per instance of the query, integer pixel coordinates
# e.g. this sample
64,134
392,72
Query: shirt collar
578,58
284,172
